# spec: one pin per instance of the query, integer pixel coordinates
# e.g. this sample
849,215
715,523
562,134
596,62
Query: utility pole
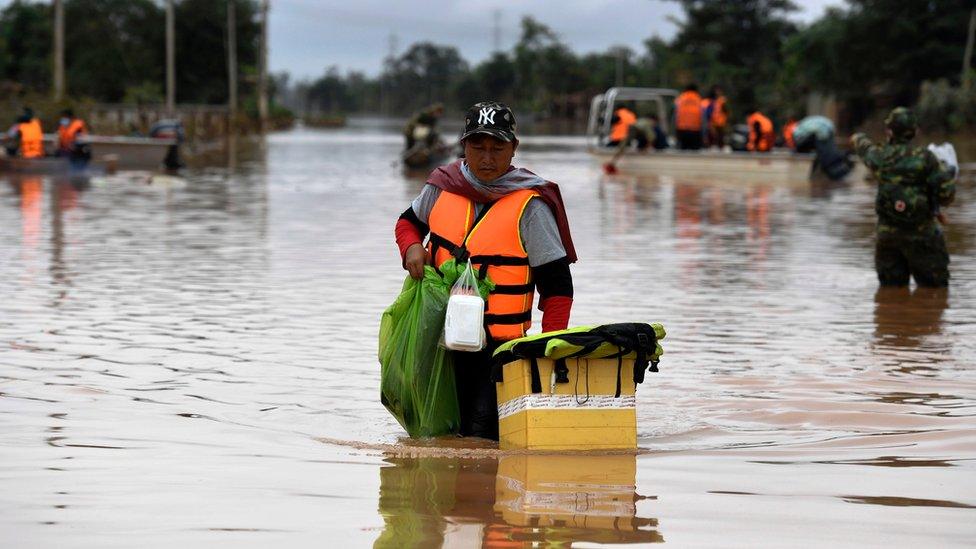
967,58
58,50
263,68
170,60
232,60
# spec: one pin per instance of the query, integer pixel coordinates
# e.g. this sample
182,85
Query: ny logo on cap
486,116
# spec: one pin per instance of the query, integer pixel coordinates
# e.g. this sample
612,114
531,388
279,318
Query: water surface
194,365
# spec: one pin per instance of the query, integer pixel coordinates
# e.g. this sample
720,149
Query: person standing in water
512,225
912,186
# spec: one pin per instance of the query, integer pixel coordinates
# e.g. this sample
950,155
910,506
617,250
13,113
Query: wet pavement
193,363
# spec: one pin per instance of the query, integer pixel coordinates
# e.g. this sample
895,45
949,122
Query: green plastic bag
417,373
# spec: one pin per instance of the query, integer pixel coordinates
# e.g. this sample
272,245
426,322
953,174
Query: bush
942,107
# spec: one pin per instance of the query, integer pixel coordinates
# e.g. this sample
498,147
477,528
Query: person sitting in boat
761,134
421,130
26,136
512,225
170,128
70,128
645,132
623,119
716,111
788,130
688,118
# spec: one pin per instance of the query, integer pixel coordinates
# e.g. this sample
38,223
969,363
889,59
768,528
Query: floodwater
195,366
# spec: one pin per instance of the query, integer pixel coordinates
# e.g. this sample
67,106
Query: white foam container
464,323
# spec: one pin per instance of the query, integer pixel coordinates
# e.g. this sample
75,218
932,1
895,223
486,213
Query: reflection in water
902,317
514,501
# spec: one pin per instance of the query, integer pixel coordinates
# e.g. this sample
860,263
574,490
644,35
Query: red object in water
609,168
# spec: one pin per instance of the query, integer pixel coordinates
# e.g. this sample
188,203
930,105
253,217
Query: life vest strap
511,318
513,289
500,260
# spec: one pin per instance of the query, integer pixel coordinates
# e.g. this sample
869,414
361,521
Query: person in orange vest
512,225
688,115
717,114
788,130
69,128
623,119
761,134
27,135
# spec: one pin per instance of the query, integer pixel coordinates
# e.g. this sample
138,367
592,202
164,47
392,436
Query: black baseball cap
490,118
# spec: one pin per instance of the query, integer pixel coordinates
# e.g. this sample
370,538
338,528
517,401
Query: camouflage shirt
912,185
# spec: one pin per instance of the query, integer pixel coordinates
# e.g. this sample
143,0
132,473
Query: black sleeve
411,216
553,278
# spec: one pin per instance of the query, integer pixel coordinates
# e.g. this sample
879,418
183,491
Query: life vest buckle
461,253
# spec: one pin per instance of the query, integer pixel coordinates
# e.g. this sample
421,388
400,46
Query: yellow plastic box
583,414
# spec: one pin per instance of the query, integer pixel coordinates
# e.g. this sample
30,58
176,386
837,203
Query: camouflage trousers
899,255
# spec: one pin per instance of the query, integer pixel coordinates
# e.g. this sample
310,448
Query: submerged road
195,365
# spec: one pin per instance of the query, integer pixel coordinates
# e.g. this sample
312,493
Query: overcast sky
309,35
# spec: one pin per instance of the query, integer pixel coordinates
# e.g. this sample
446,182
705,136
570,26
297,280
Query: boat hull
777,165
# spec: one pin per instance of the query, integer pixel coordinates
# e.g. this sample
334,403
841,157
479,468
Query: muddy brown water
194,365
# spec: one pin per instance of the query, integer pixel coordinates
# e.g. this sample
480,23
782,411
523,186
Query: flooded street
195,365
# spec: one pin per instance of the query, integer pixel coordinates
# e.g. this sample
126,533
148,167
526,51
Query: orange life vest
719,118
31,139
688,111
68,134
763,141
625,119
788,133
494,244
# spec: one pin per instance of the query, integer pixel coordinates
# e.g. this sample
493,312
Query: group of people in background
705,122
25,138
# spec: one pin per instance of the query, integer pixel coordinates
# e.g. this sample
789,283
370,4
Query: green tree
125,54
736,44
25,44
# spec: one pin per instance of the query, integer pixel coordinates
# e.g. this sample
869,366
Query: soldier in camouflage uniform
912,185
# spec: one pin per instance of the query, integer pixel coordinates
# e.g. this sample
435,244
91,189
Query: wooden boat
425,157
711,163
123,152
49,165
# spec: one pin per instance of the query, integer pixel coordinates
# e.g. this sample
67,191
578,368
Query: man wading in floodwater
512,224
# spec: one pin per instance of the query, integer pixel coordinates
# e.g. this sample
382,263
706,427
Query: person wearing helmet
912,187
512,225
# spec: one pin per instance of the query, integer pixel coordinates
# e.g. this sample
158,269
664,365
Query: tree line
867,54
115,49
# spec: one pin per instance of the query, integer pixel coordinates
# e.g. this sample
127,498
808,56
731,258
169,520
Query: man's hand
414,260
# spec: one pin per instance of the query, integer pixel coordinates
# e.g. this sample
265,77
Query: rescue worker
421,130
69,128
644,133
912,186
788,133
623,119
761,134
27,135
717,116
512,225
688,118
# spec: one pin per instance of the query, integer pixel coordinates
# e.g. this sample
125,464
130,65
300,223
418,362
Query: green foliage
942,107
114,47
147,93
25,44
864,51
